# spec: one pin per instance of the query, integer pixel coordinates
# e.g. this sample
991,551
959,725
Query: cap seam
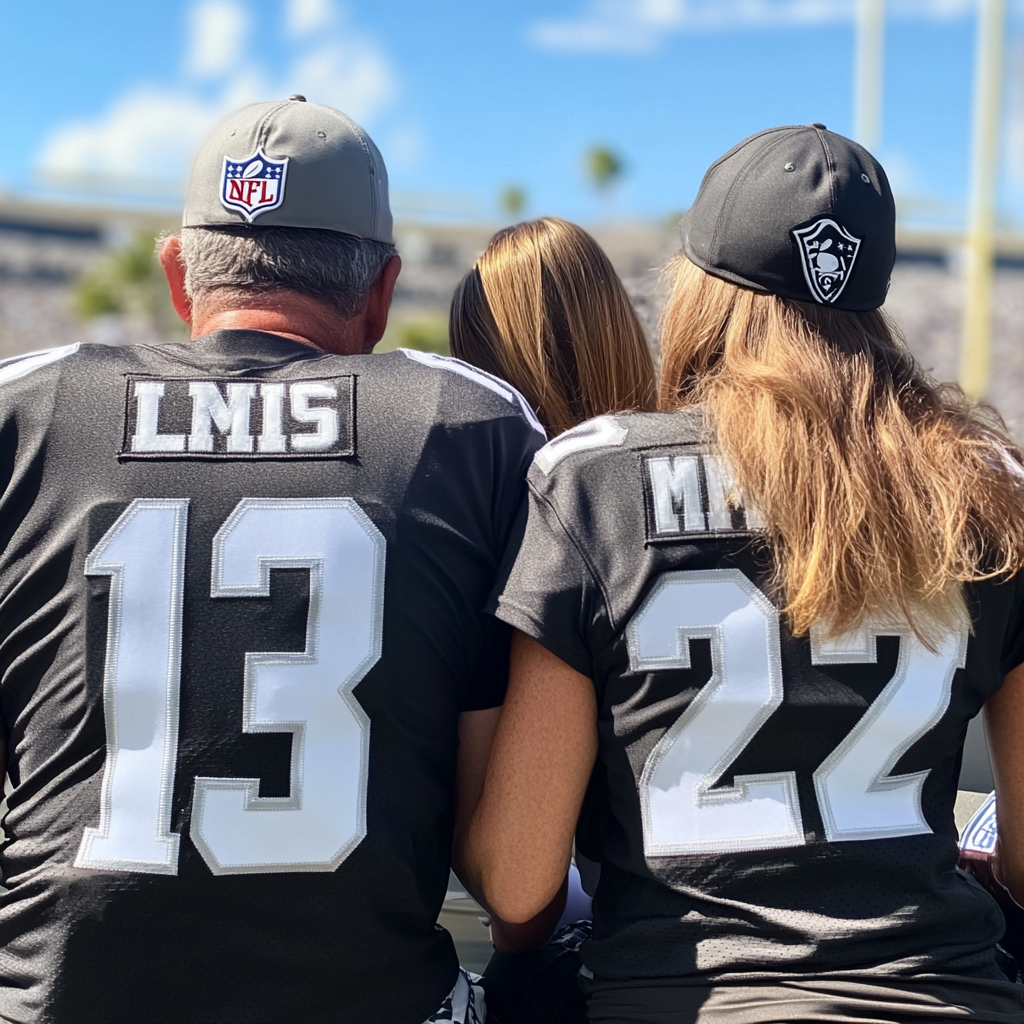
374,205
747,142
830,164
726,203
263,133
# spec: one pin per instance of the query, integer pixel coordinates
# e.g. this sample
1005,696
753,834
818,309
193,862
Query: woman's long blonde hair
544,309
883,491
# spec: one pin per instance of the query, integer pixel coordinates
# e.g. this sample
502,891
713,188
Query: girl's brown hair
883,490
544,309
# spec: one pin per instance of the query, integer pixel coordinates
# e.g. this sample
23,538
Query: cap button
814,124
297,96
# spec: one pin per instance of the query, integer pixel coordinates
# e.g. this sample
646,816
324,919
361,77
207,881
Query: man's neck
293,316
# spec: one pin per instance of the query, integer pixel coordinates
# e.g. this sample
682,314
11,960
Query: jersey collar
257,346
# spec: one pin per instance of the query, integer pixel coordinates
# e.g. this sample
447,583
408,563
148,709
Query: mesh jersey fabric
625,505
434,469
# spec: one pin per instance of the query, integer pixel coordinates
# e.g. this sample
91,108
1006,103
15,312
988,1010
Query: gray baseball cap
290,164
800,212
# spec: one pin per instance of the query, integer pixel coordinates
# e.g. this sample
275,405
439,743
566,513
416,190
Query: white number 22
308,694
859,797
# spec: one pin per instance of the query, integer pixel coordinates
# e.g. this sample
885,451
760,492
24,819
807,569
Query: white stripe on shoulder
22,366
1000,458
601,432
1011,465
481,377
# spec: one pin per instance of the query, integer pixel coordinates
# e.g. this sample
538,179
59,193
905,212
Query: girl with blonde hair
544,310
752,630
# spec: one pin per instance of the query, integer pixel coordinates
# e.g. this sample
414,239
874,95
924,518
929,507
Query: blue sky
110,98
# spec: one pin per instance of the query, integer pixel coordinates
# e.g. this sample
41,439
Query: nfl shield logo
828,252
253,184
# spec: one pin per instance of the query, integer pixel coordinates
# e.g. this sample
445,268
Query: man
241,633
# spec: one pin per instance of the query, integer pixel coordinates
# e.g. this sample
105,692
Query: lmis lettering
177,418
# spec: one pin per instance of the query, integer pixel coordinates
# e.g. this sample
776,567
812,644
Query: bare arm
476,735
516,851
1004,721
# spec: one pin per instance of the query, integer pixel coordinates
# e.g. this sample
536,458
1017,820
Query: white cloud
217,37
404,146
143,135
353,75
304,17
638,25
150,132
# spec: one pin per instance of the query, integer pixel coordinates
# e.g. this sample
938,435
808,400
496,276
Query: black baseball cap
799,212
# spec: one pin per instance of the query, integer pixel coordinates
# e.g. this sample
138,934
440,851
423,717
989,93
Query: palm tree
604,167
513,200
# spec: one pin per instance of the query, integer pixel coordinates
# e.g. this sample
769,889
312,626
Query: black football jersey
763,805
242,585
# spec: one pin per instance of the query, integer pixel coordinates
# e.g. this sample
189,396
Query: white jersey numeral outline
143,553
682,814
324,818
858,796
308,694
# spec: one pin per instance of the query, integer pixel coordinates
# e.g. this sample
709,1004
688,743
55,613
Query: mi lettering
695,494
178,418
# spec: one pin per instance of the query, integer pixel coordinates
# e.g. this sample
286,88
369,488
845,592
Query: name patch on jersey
184,418
694,496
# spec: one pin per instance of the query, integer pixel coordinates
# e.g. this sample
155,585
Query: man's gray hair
337,269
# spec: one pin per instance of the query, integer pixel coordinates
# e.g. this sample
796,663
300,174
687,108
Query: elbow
513,902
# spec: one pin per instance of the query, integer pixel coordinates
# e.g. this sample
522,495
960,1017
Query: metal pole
867,103
975,352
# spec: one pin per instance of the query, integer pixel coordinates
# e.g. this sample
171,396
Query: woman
766,616
544,310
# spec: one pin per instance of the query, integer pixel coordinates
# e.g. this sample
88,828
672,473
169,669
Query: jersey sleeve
490,674
485,438
489,678
545,588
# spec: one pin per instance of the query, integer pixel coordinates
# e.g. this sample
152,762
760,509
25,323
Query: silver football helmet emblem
828,252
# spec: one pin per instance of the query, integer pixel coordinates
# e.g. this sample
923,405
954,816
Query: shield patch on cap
828,252
254,184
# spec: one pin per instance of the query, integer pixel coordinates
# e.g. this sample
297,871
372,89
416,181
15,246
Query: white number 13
308,694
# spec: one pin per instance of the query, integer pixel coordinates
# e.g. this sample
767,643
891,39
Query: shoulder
44,365
592,449
71,378
472,392
31,380
29,363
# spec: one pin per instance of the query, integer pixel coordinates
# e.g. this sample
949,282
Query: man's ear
375,315
169,254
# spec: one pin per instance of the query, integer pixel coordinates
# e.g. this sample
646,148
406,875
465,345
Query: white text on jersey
179,418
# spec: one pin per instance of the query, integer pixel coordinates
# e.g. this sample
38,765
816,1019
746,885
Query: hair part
239,264
544,309
883,490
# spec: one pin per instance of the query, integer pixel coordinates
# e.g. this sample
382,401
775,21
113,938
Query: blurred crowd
41,299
